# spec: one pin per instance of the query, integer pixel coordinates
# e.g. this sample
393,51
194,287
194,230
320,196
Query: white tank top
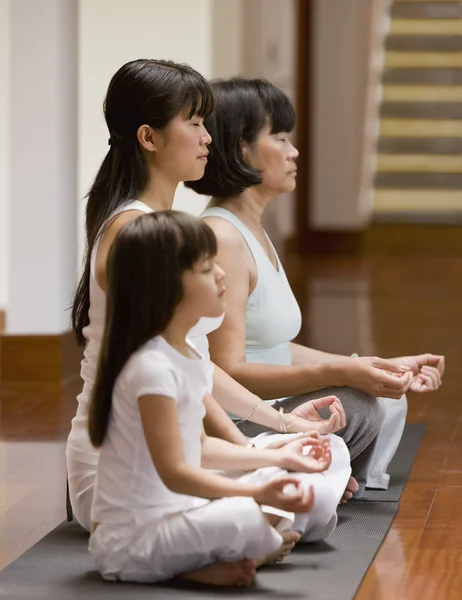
273,317
78,442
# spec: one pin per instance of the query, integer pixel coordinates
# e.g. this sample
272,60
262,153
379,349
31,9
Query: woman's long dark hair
144,287
142,92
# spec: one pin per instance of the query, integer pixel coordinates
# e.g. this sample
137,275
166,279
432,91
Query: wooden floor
384,306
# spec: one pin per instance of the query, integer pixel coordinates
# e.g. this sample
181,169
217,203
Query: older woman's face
274,155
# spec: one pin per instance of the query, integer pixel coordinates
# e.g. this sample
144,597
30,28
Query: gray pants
364,416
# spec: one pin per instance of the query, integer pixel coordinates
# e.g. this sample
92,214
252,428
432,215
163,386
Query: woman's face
274,155
181,148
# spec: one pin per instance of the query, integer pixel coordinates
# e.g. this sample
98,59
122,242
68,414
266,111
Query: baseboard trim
422,239
38,362
414,239
329,242
433,218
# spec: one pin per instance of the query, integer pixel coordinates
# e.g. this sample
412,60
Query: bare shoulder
227,235
233,253
107,238
119,221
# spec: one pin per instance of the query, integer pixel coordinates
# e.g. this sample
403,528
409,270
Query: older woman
251,161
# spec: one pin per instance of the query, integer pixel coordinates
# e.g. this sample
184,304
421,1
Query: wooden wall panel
38,362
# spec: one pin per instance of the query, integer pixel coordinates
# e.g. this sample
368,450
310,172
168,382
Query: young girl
157,512
154,111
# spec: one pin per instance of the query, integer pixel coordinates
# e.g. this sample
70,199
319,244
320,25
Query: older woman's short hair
244,107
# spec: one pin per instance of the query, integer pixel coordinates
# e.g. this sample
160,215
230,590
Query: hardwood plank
443,529
386,578
434,575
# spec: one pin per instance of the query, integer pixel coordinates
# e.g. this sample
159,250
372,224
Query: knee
325,505
247,517
364,413
402,406
371,411
394,410
324,508
375,416
321,521
340,454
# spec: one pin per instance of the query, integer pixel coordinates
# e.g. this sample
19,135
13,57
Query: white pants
387,441
328,488
229,529
314,526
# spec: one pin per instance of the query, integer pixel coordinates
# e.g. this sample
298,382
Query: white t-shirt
128,488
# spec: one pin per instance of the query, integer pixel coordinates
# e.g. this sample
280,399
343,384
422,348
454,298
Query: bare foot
289,539
351,488
239,573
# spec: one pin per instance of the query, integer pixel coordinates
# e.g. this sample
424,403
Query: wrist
244,490
294,424
336,373
260,458
277,458
256,494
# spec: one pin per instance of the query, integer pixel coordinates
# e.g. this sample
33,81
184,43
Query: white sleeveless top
78,442
273,318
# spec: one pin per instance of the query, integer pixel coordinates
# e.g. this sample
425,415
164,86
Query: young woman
251,161
158,511
154,111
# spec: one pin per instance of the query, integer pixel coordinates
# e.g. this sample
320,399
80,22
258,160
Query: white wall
42,165
4,140
227,38
269,51
207,35
112,33
348,44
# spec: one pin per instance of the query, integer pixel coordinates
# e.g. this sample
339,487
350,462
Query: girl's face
204,289
274,154
181,148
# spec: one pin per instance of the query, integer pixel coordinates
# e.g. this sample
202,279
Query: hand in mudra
428,370
306,417
286,493
307,453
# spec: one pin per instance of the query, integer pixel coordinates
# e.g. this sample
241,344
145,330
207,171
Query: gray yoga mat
400,466
59,567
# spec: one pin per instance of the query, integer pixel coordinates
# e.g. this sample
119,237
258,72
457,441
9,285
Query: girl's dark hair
144,287
142,92
244,107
